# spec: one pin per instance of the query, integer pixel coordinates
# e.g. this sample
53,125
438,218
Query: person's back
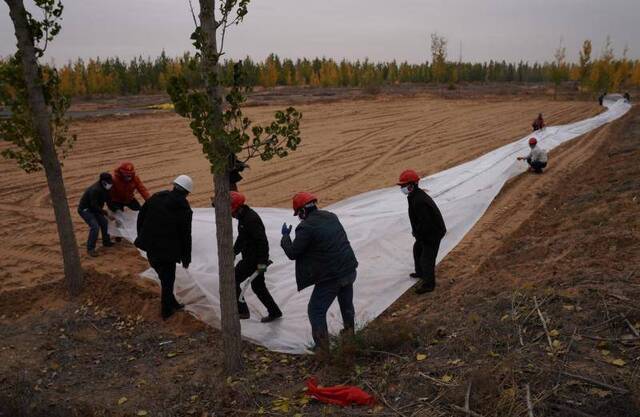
164,226
164,232
538,154
327,253
252,240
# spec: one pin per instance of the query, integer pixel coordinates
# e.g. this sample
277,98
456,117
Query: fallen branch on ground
594,382
529,405
544,323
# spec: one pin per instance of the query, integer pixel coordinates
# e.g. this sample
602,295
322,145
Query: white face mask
107,186
405,190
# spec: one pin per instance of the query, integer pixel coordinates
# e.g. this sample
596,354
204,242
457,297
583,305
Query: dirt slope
348,148
570,238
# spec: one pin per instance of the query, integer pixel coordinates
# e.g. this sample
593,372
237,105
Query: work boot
244,315
423,288
93,253
108,243
271,317
167,312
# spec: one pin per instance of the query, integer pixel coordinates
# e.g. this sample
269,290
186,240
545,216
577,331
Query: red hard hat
408,176
126,168
533,141
302,199
237,201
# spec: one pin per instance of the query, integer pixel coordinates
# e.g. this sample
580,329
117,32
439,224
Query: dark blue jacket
321,250
94,198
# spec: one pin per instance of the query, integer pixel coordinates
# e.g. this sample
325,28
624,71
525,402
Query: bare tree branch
193,14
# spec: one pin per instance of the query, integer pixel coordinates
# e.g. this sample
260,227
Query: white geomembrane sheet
378,227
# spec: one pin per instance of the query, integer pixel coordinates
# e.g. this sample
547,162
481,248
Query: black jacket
321,250
427,224
252,240
94,199
164,227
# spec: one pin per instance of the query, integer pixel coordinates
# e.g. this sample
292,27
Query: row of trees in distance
114,76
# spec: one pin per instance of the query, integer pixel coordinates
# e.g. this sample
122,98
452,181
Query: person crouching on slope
252,243
125,183
537,158
427,227
164,232
91,209
324,258
538,123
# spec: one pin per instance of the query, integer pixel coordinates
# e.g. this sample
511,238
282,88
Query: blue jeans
321,299
97,222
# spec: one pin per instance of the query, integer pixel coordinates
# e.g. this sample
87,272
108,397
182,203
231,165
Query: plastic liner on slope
378,228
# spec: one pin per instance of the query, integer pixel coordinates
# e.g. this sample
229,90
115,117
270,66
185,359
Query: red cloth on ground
342,395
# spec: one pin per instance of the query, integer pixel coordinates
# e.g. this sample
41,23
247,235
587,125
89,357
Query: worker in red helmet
324,258
125,183
427,227
252,243
538,123
537,158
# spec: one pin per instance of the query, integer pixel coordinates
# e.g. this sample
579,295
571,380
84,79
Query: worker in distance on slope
537,158
164,232
538,123
125,183
427,227
324,258
91,209
252,243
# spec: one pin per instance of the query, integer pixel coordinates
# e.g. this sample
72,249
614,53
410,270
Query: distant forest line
115,76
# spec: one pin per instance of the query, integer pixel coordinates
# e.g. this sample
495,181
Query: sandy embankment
348,148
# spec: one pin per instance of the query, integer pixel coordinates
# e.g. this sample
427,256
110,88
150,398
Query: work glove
262,268
286,230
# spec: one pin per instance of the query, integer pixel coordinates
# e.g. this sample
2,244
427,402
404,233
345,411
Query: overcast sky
378,29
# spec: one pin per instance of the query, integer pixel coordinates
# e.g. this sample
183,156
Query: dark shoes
93,253
423,288
167,312
414,275
271,317
108,243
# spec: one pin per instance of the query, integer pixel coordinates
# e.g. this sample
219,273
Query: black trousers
133,205
167,273
244,270
424,258
537,166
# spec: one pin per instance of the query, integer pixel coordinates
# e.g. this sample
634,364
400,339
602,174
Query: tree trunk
231,337
41,120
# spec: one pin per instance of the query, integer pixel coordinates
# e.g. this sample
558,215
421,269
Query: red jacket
122,191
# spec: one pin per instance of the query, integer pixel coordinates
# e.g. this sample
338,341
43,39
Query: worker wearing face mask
125,183
91,209
427,227
324,258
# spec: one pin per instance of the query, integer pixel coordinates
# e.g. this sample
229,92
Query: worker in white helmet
164,232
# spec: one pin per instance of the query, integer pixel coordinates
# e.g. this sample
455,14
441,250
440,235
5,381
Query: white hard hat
185,182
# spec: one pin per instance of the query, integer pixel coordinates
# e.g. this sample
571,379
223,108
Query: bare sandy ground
348,148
